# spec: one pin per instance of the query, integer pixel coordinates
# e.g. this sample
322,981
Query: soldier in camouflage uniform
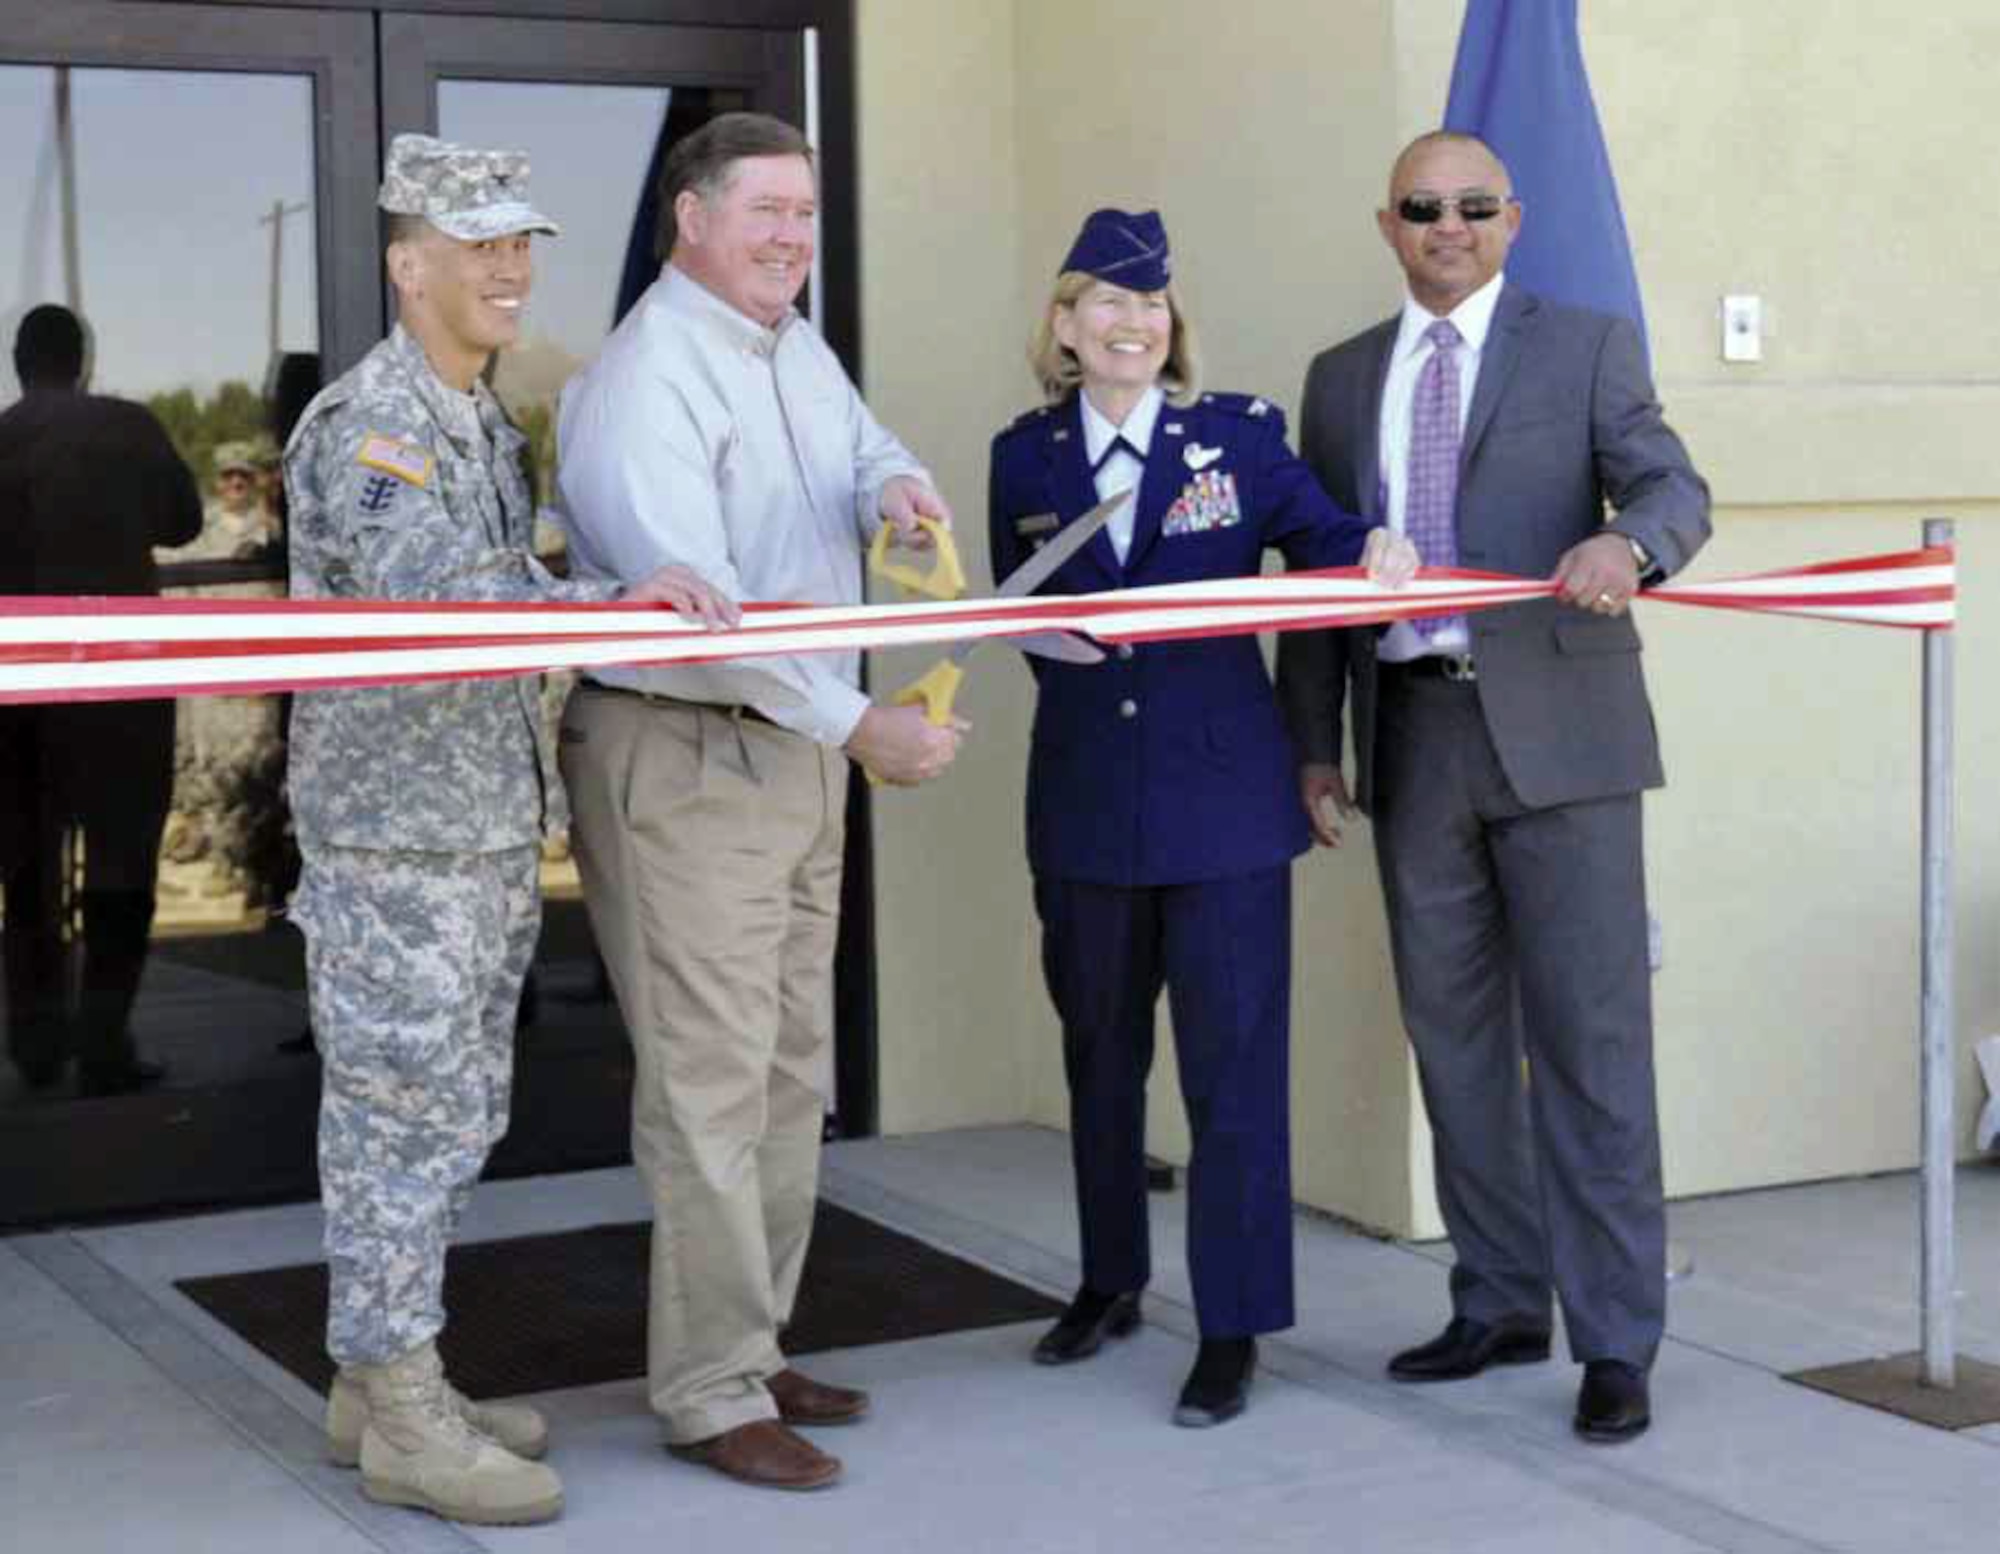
419,811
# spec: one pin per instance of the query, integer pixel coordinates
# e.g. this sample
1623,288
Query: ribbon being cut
119,649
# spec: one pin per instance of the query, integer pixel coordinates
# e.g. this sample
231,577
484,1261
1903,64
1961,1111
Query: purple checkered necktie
1430,503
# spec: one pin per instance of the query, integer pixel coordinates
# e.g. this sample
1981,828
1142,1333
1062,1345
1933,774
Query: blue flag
1519,85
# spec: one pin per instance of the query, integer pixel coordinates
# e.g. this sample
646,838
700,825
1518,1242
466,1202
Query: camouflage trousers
414,964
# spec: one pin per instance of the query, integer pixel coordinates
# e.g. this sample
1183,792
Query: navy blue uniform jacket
1168,763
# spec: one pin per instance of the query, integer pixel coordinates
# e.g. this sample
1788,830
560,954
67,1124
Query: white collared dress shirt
1473,318
1123,470
700,437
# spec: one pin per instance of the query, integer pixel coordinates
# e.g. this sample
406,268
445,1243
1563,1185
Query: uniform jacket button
1128,708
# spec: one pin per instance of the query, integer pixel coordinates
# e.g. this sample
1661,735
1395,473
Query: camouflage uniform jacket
403,488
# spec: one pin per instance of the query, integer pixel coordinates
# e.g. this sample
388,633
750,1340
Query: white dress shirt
1472,318
1122,471
699,436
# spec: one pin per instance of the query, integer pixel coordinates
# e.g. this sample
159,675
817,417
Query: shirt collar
1473,318
1137,430
466,417
686,295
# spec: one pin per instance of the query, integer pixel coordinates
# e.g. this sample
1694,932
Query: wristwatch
1641,557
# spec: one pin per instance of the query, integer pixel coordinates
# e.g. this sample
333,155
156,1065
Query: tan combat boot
417,1450
515,1426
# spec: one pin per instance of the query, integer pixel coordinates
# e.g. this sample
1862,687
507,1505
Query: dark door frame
832,22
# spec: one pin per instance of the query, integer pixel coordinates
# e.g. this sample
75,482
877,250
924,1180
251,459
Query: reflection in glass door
189,180
201,323
594,150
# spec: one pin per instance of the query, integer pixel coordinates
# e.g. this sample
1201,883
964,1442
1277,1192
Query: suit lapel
1368,426
1513,318
1075,490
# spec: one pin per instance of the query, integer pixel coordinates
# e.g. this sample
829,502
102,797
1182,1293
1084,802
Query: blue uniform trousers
1222,948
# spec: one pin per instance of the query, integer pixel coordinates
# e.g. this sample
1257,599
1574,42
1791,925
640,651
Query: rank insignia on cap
392,456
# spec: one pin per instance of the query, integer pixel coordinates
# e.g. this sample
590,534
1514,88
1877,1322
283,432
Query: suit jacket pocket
1533,423
1597,634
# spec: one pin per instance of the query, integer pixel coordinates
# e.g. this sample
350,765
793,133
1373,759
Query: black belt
1456,667
729,710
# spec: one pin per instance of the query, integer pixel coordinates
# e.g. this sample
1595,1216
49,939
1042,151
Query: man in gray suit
1501,757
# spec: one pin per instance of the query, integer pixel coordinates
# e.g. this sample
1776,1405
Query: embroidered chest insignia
407,461
378,494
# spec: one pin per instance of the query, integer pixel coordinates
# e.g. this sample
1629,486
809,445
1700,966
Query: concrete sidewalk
128,1419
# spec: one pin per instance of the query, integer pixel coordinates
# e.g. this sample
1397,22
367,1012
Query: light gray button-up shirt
699,436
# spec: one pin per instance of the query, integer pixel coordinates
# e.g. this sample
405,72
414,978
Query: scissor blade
1059,547
1035,571
1066,647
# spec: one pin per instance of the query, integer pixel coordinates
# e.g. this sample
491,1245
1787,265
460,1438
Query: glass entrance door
197,181
597,107
190,182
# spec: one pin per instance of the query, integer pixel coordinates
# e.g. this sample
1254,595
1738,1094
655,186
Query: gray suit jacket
1563,420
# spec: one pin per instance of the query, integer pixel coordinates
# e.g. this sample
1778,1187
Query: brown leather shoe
803,1401
765,1453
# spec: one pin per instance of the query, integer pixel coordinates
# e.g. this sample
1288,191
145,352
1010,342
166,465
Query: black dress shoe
1081,1330
119,1079
1612,1404
1219,1385
1465,1348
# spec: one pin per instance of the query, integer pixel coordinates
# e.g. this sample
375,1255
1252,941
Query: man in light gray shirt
717,430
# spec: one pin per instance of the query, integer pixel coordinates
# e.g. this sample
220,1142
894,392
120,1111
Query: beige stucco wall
940,211
1784,855
1785,149
987,132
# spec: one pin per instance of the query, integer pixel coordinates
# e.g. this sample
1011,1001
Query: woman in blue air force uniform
1163,810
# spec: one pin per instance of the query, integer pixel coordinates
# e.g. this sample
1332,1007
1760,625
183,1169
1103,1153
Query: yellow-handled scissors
937,688
946,578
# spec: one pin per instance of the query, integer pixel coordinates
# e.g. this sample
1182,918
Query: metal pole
1939,1026
279,211
277,220
66,182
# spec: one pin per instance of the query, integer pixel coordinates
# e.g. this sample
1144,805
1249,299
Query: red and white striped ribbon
113,649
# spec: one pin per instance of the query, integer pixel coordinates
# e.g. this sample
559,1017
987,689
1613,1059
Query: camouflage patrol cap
236,455
264,451
464,192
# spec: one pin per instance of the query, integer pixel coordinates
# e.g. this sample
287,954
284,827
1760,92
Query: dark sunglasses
1420,210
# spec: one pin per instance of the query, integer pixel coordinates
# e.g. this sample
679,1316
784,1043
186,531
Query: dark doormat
1895,1384
542,1313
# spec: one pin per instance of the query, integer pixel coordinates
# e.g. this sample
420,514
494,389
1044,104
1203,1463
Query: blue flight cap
1124,248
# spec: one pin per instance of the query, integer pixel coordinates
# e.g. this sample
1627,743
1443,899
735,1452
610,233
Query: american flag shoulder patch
393,456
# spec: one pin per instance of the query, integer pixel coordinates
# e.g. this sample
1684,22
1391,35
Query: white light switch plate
1742,329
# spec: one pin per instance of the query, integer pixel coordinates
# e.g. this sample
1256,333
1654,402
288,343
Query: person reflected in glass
89,485
1161,813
